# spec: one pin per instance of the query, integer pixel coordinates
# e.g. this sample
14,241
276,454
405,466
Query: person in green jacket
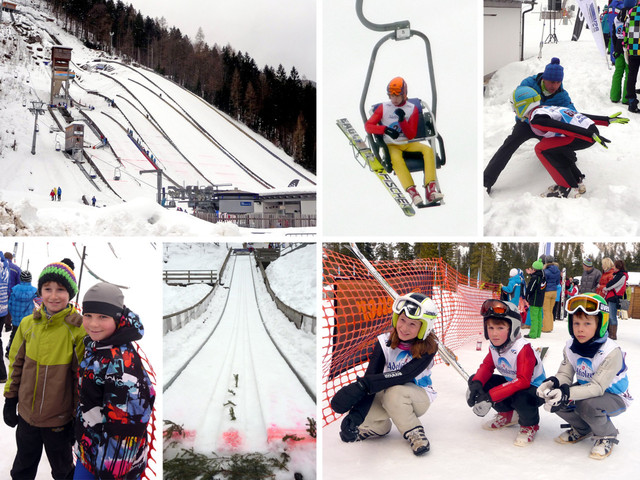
42,384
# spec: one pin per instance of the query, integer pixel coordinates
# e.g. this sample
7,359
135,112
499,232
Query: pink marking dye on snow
186,435
275,433
232,438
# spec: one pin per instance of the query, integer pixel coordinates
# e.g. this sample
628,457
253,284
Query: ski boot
602,447
556,191
571,436
501,420
526,435
415,196
432,194
418,440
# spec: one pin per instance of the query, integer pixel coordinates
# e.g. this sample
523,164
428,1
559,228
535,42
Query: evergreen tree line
279,106
491,262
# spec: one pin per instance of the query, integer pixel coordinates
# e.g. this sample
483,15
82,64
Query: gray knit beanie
104,298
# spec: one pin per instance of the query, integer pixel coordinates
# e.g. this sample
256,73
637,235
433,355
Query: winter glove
392,133
601,140
9,412
557,398
348,396
349,427
474,390
400,113
483,404
616,118
549,384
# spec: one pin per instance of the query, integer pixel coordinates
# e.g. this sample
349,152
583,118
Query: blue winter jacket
552,275
513,288
559,99
14,276
21,302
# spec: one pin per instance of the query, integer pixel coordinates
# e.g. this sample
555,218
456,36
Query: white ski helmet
416,306
494,308
523,100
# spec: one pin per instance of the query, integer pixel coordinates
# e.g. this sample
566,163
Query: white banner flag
592,20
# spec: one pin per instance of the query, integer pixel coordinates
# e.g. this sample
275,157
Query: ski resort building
9,6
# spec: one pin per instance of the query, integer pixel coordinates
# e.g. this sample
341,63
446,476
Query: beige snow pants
402,404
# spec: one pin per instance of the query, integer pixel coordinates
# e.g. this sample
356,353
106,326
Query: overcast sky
272,32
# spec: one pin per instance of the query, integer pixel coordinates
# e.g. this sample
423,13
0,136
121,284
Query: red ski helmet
397,86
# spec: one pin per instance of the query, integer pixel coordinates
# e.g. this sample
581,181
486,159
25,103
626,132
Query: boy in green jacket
42,382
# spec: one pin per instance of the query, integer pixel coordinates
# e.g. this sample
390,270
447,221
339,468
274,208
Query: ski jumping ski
362,149
448,357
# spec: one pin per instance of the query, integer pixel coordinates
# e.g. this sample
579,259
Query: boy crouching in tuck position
512,393
602,388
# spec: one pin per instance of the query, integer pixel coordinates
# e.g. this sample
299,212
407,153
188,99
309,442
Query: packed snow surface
230,339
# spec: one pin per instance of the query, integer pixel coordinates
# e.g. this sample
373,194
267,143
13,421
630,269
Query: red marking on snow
186,435
275,433
232,439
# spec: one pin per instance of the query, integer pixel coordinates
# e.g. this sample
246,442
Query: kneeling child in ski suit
512,393
602,388
396,386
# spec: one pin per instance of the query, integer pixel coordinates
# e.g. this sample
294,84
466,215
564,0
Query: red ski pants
558,156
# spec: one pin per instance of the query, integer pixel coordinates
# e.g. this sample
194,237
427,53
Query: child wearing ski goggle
587,304
495,308
412,308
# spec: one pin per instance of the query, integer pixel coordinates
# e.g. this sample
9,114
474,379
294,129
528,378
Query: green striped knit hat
62,273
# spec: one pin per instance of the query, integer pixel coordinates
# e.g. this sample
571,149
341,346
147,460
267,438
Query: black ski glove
9,412
348,396
483,404
474,391
349,427
392,133
400,113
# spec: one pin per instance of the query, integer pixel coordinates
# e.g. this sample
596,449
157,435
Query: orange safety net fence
356,309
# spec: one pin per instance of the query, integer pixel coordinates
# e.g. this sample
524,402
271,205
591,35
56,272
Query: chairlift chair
427,131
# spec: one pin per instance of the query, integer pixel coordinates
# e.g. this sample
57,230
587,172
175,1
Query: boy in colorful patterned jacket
42,382
116,394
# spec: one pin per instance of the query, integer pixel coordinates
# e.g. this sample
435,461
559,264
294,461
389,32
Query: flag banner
589,10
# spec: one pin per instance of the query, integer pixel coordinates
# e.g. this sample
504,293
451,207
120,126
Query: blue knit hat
554,71
587,262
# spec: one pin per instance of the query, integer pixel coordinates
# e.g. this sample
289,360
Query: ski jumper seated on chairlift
397,121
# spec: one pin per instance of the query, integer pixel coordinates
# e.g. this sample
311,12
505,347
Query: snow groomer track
238,393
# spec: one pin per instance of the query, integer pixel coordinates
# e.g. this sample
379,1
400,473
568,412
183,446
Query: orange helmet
397,86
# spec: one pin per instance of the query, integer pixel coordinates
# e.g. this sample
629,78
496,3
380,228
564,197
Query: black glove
475,389
348,396
483,404
392,133
9,412
349,428
400,113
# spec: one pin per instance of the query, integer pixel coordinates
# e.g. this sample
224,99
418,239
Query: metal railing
189,277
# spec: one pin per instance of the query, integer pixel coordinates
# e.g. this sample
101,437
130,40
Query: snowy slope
461,448
269,400
191,141
514,206
136,264
355,202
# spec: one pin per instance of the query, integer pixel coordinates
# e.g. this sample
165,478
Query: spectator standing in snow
379,398
548,84
515,287
512,391
112,379
602,387
614,291
93,201
52,194
590,277
59,193
552,277
21,303
615,19
607,274
631,46
535,296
